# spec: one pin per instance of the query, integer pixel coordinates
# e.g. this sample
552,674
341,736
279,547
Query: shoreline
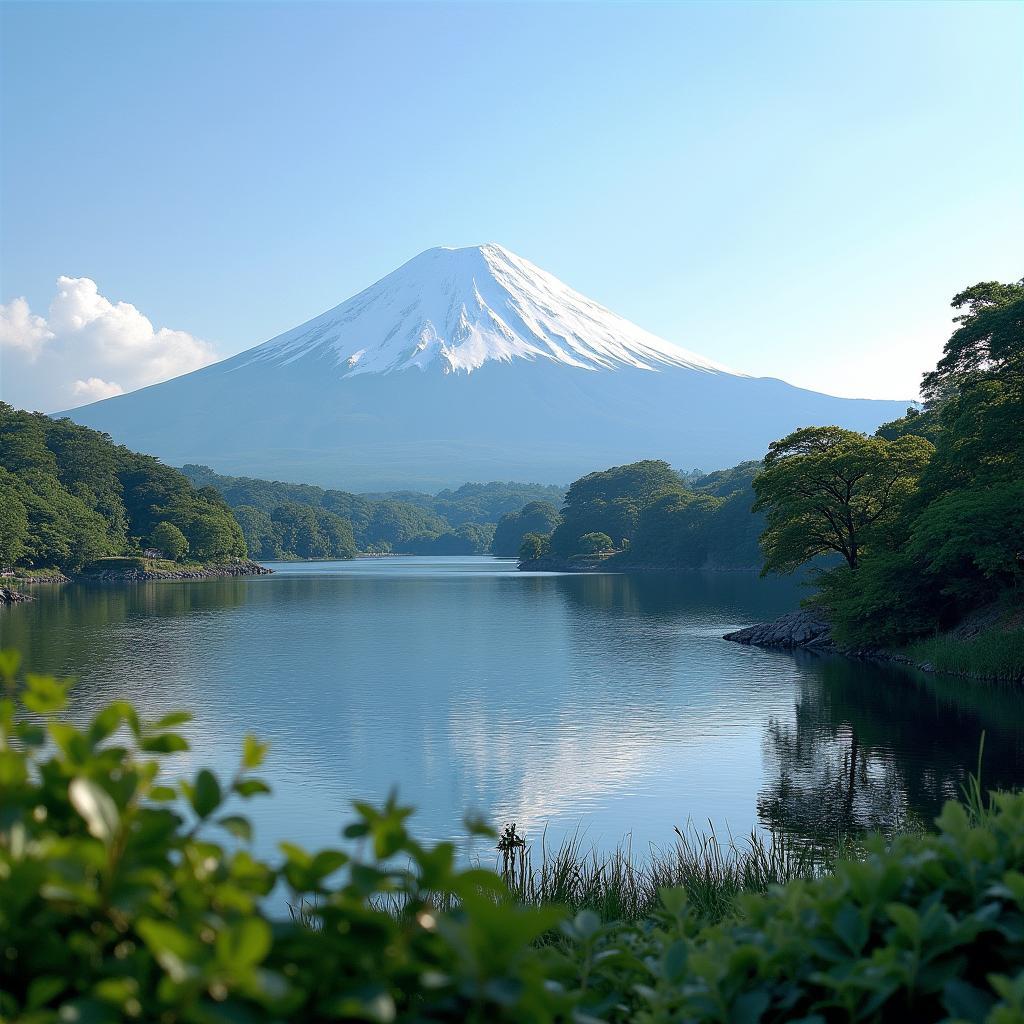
609,565
206,572
9,595
806,630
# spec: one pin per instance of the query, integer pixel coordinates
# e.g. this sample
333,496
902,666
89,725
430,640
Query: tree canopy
957,542
70,496
828,490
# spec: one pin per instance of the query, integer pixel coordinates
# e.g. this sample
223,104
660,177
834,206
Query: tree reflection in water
880,748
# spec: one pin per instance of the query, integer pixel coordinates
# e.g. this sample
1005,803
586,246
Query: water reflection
608,700
871,747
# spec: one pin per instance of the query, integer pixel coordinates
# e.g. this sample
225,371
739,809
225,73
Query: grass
619,886
23,573
622,886
995,654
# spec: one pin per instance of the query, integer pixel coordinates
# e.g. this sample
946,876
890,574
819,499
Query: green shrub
996,654
118,901
166,537
534,546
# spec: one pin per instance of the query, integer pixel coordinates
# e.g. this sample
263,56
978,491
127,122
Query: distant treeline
647,514
69,495
283,520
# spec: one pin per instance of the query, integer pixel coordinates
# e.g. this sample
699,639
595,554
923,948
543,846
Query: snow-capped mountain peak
455,309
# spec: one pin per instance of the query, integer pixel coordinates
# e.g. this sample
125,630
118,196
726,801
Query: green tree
537,517
534,546
611,502
828,490
989,340
595,543
170,540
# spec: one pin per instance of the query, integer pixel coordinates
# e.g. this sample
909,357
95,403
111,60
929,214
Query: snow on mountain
465,365
455,309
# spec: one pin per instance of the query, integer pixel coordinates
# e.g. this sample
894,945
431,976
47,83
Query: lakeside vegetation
71,496
648,515
126,893
452,522
909,531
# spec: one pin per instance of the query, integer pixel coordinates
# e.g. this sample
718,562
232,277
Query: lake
607,703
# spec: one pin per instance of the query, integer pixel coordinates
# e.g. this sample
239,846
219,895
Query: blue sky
795,190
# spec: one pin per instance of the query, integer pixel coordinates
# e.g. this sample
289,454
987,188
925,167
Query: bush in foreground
118,903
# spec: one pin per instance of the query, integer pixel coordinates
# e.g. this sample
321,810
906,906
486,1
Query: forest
71,496
648,515
908,532
452,522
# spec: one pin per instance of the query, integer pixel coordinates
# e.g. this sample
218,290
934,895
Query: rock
9,596
796,629
246,568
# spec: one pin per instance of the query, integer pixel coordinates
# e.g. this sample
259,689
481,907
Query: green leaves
253,752
205,795
45,695
115,904
245,944
96,807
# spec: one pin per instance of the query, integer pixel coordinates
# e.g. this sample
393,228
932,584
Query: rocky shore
135,575
9,596
51,577
796,629
808,630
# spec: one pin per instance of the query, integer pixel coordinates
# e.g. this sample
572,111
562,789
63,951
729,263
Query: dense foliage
478,503
539,517
125,896
459,522
291,530
829,490
69,495
655,516
952,538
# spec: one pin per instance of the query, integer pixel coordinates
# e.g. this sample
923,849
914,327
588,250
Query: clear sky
795,190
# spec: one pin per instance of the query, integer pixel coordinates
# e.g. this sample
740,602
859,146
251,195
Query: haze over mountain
465,364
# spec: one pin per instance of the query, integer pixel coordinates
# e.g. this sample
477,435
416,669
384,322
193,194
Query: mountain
465,364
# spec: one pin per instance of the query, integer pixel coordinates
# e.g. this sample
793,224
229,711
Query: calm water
608,702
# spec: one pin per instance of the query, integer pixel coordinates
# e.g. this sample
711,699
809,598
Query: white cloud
94,389
86,349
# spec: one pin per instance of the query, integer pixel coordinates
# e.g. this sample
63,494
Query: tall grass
995,654
620,886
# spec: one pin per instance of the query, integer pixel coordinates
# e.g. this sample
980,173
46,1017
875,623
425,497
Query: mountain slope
465,364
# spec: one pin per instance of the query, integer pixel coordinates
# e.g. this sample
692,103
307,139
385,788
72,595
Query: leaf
44,694
477,825
326,862
170,720
12,769
676,960
239,827
42,990
105,723
96,806
244,944
10,659
171,946
205,795
250,787
253,752
164,743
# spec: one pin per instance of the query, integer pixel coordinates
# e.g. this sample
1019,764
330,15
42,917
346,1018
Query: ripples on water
603,701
